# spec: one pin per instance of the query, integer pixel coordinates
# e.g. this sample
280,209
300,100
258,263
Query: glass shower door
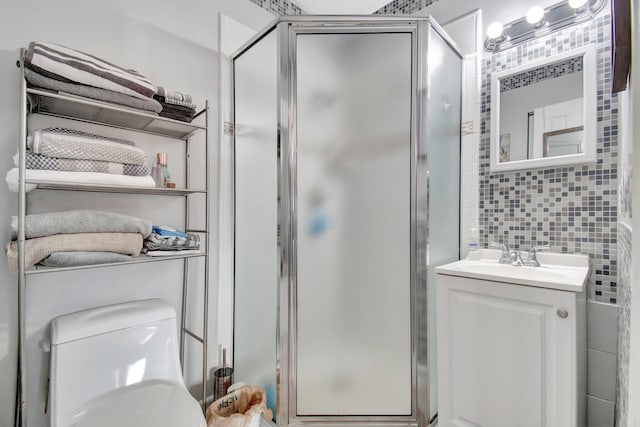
353,352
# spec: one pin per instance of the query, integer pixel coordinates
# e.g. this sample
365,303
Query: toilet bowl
118,366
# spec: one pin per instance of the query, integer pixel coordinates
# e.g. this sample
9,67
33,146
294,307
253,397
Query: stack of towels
58,68
73,238
175,105
71,156
55,67
166,241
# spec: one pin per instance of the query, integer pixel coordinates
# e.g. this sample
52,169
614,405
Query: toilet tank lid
96,321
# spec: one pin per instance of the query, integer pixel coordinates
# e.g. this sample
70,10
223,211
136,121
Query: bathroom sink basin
557,271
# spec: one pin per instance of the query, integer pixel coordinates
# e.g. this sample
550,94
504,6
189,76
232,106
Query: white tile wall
602,358
466,32
601,374
601,320
599,412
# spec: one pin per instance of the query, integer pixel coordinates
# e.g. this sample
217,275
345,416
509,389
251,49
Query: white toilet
118,366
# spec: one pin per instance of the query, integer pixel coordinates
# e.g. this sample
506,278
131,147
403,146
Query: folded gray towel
72,144
149,105
72,222
74,259
41,162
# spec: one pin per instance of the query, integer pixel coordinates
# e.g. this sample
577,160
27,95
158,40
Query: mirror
544,113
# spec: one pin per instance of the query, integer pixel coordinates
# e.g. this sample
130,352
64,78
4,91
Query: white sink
557,271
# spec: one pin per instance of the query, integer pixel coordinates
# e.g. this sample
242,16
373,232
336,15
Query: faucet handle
505,256
532,260
535,249
505,248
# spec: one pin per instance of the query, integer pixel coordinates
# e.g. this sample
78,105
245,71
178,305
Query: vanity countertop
566,272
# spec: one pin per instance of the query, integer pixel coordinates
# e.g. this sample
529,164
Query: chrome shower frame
422,29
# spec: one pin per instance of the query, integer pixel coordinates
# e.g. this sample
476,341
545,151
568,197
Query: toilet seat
149,403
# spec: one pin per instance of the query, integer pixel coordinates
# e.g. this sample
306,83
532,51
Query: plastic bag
238,408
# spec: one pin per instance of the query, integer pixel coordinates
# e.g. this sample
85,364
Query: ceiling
442,10
341,7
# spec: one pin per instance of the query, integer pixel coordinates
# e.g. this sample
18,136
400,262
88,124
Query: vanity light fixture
495,30
535,16
539,21
577,4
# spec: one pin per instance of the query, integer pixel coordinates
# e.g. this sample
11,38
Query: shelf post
205,329
21,413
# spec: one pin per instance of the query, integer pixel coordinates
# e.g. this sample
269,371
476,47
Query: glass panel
353,224
443,158
256,173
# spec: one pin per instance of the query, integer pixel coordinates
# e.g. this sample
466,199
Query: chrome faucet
514,257
532,260
505,256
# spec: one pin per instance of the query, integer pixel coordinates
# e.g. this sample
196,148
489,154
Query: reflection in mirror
538,102
563,142
544,113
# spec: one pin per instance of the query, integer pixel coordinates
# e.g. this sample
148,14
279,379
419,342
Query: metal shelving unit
40,101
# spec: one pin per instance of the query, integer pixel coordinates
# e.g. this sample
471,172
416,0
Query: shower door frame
287,28
288,210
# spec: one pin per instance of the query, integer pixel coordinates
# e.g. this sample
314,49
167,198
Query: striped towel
72,144
72,66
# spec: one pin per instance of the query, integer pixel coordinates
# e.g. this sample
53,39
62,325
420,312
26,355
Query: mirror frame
589,91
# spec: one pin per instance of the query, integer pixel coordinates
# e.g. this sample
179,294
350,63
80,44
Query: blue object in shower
319,224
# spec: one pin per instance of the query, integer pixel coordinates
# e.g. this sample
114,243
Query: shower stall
347,196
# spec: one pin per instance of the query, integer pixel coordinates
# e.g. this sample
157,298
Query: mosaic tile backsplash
572,209
279,7
551,71
403,7
396,7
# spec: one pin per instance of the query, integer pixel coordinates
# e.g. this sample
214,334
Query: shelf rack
76,108
66,106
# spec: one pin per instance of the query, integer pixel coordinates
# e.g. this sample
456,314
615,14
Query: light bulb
577,4
535,15
494,30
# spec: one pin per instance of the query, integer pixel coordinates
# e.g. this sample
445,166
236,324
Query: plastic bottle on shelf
473,245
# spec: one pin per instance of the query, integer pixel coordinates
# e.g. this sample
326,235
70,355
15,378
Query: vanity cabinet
509,354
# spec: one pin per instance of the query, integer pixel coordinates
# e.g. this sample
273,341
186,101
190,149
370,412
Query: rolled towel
35,250
80,221
172,96
73,259
73,66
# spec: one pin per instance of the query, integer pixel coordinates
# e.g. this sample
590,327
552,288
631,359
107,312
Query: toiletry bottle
473,245
161,170
154,172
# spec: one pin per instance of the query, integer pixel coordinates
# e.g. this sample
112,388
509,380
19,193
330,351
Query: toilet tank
97,351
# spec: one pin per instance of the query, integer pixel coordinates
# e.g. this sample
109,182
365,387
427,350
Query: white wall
466,32
174,44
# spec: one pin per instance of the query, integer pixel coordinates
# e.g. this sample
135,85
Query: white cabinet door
506,358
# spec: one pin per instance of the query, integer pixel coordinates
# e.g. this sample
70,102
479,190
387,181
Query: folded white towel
76,178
